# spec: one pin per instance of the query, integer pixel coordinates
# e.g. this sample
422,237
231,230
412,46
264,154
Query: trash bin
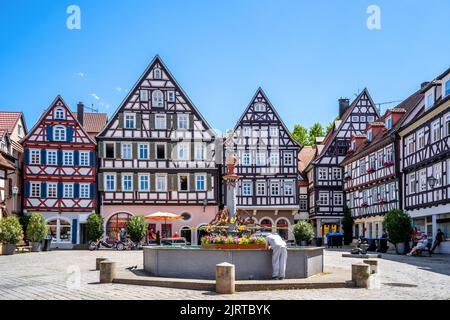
383,247
318,242
335,239
47,243
372,244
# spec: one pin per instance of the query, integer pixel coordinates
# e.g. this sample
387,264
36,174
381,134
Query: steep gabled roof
93,122
261,92
9,119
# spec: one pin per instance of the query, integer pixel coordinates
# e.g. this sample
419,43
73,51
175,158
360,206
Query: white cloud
95,96
79,74
119,89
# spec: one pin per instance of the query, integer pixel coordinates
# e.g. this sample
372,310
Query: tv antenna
92,109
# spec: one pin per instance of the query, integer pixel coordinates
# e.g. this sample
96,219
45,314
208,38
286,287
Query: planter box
235,246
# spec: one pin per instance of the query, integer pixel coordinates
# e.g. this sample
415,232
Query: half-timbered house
12,130
325,177
158,153
425,157
372,178
268,165
60,174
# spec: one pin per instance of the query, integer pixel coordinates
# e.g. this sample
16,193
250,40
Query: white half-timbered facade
158,153
325,175
425,148
60,173
268,165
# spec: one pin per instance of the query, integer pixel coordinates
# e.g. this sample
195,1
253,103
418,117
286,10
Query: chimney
80,112
343,105
424,84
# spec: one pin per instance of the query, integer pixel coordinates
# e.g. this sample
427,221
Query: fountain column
230,180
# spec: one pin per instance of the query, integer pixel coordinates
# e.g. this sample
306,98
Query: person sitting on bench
421,245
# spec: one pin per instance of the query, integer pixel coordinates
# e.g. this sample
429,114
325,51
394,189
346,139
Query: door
83,233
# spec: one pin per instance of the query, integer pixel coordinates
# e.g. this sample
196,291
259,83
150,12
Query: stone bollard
361,275
107,271
373,263
225,275
97,262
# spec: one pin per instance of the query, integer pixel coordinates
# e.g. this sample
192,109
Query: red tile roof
93,122
8,120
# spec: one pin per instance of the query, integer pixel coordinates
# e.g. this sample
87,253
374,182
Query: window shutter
135,148
60,190
209,152
191,121
92,190
209,178
152,121
218,150
135,182
120,119
92,158
174,121
101,148
174,151
26,191
100,182
69,134
74,230
169,150
43,190
191,177
76,158
192,151
43,154
119,182
138,121
152,182
170,186
49,133
152,151
76,190
118,155
60,158
26,156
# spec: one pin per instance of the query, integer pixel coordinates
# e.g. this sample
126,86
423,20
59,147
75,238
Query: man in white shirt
279,255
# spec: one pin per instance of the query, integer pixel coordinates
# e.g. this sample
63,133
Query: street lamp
205,203
15,191
431,181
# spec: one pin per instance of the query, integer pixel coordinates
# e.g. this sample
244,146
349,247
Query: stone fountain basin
193,262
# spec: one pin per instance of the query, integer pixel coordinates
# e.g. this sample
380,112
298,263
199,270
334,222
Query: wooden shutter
169,150
209,152
135,149
119,182
169,121
152,151
192,146
135,182
218,150
120,119
152,121
152,182
174,121
118,151
172,182
100,182
138,121
191,177
191,121
209,178
101,148
69,134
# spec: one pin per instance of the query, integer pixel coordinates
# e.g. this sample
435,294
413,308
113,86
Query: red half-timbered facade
60,173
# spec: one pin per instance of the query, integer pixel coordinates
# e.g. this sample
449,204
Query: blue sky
304,54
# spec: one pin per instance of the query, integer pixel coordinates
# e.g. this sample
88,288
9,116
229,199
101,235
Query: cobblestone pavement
70,275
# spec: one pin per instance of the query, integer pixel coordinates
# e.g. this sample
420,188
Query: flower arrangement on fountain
234,242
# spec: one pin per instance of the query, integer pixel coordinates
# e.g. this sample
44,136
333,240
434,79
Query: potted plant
397,224
94,227
388,164
36,231
137,228
371,170
303,232
10,233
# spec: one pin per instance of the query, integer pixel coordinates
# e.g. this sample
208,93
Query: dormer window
369,135
157,73
60,114
447,88
388,123
130,121
260,107
59,133
157,99
429,101
353,145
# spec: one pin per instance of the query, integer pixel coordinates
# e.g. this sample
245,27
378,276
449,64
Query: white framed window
84,158
183,151
389,154
161,183
260,159
85,190
35,189
67,158
246,188
59,133
143,151
429,101
323,198
273,131
35,156
157,74
200,150
183,121
60,114
410,146
260,107
323,173
144,182
171,96
355,119
127,151
447,124
260,188
160,122
353,145
183,182
127,182
447,88
437,174
67,190
288,188
369,135
130,120
288,159
337,174
246,159
247,131
338,199
200,182
370,119
303,205
274,159
157,99
144,95
423,180
110,182
388,123
420,139
412,183
274,188
52,190
436,131
160,151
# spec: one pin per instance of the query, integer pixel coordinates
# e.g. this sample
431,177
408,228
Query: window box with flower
234,242
381,200
371,170
388,164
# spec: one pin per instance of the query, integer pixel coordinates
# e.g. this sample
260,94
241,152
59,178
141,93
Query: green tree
36,228
398,226
303,231
300,134
347,225
94,227
331,124
10,230
137,228
315,131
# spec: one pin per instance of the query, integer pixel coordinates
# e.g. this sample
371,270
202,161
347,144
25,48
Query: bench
429,244
23,247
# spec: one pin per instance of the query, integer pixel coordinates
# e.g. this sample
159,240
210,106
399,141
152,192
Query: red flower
371,170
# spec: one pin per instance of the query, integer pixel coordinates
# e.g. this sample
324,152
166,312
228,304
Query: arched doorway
200,234
266,223
186,233
115,223
282,228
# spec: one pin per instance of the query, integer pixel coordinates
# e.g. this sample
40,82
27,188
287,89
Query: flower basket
248,246
371,170
387,164
381,200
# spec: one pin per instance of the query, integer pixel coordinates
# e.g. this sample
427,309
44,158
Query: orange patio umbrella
159,216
